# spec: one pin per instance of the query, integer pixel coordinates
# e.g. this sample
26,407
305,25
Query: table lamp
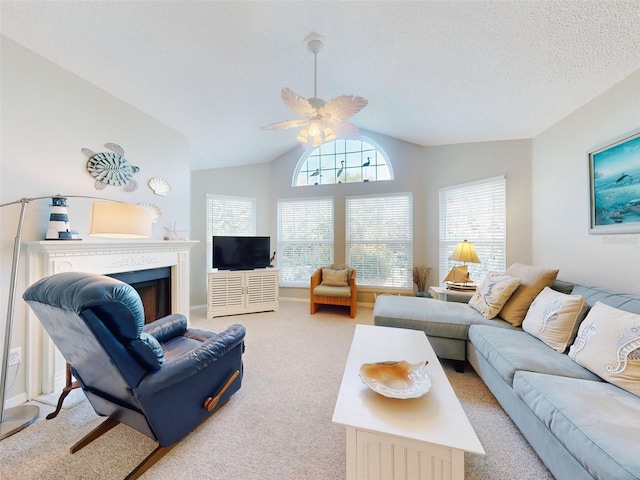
458,277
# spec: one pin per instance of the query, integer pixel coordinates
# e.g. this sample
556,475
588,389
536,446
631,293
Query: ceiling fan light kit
325,121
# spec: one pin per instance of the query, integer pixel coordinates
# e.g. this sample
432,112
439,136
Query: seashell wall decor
160,186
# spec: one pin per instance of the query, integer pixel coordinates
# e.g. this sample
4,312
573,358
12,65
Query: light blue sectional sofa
581,426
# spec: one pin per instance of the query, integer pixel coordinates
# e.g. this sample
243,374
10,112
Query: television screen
241,253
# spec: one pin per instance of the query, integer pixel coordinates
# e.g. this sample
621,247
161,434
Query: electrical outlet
15,356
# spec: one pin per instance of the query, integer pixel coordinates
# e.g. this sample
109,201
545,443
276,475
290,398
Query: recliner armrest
166,328
176,370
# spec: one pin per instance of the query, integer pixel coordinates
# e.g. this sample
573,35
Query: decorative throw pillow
532,281
608,344
334,278
493,293
554,317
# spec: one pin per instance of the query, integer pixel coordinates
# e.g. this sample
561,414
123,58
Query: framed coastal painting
614,173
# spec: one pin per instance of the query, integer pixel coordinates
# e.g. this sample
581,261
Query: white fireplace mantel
46,366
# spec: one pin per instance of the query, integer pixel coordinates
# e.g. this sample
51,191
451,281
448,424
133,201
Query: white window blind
476,212
379,239
228,215
305,238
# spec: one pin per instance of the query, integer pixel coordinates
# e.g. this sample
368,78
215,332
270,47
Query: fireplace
163,263
154,287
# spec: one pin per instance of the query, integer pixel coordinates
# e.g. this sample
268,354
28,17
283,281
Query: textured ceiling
434,72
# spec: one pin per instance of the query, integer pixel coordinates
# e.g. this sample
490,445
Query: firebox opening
154,287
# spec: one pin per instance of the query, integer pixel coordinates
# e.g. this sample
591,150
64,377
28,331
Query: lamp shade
465,252
119,220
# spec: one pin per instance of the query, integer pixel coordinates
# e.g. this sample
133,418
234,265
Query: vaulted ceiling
434,72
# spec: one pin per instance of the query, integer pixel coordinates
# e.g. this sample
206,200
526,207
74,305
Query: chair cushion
554,317
335,278
329,291
532,281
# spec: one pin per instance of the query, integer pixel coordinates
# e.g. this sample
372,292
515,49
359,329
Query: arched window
343,161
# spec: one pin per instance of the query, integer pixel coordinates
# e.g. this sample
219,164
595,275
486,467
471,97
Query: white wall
561,193
247,181
419,170
48,115
453,164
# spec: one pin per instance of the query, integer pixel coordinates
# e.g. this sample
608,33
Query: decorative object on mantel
614,175
421,279
14,419
156,213
173,233
160,186
59,227
325,121
111,168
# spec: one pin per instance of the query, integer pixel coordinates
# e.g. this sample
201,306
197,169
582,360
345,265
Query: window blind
228,215
379,239
305,238
476,212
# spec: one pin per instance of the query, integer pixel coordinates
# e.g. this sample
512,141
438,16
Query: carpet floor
277,427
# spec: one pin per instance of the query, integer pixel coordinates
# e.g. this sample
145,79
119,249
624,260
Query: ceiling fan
325,121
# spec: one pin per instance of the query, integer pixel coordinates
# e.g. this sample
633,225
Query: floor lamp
111,219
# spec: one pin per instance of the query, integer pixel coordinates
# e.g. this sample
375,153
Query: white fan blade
286,125
298,104
344,130
342,107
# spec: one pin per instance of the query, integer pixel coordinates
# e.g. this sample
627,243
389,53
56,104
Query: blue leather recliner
162,379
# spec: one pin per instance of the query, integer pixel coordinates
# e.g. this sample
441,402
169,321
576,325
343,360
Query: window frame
332,163
406,284
282,257
209,197
490,241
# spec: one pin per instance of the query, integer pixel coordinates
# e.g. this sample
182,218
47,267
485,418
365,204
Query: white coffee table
391,439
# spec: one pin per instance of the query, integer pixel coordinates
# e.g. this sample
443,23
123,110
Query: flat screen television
240,253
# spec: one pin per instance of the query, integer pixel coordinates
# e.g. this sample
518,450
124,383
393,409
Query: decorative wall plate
396,379
111,168
160,186
156,213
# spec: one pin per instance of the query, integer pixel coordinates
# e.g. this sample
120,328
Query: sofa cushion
554,317
597,422
608,344
334,278
624,301
532,281
493,293
510,350
434,317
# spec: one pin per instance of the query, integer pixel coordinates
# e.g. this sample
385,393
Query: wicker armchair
334,285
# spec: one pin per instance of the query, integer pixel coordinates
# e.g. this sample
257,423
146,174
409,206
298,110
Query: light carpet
277,427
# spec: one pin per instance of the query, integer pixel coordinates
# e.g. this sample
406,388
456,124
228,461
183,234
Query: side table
446,295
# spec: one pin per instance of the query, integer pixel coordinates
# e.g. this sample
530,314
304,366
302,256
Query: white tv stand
231,292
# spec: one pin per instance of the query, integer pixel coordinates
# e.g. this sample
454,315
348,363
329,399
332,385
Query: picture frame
614,176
